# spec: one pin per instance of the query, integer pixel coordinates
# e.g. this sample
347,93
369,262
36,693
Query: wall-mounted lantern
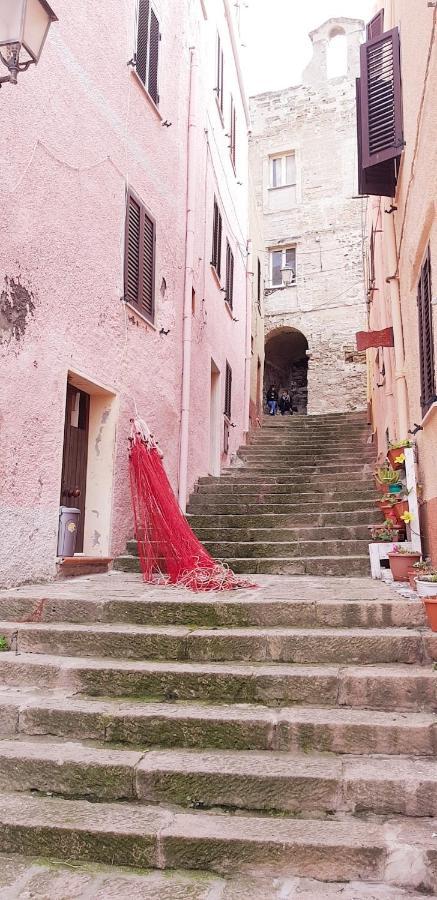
24,26
288,275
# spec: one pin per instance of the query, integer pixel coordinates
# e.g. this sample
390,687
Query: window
139,263
219,75
426,339
229,296
147,55
379,110
258,286
233,133
283,170
228,392
216,257
278,260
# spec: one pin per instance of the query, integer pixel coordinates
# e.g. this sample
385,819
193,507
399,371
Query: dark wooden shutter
142,39
153,57
218,264
214,234
139,267
219,73
375,27
229,275
379,180
381,99
258,289
426,338
233,133
228,391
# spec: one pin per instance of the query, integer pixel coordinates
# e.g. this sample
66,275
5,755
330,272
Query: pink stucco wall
75,131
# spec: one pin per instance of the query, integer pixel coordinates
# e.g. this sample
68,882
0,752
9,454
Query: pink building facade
123,267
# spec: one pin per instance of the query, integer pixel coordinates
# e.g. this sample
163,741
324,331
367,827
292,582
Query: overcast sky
276,36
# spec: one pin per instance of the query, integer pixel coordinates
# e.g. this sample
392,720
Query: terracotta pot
400,563
380,487
400,508
412,575
431,611
391,456
388,511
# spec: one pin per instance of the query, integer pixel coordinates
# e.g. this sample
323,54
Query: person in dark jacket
272,399
285,404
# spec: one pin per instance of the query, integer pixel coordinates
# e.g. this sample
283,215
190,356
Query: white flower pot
426,588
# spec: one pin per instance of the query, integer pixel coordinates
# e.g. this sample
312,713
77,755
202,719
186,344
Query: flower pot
400,563
431,610
400,508
426,588
380,486
412,575
395,488
388,511
391,456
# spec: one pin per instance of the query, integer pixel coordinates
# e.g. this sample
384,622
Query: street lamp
288,275
24,25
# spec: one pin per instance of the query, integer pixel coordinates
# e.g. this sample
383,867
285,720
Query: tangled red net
169,551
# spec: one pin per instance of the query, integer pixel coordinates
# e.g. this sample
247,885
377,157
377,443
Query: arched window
337,55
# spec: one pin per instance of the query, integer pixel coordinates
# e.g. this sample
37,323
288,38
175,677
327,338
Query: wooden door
74,462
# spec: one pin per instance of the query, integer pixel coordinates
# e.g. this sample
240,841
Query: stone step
318,533
318,507
256,644
354,497
240,726
316,519
28,877
267,489
286,549
395,688
124,834
347,566
243,780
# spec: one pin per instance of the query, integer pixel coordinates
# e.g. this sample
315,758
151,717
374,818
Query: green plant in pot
427,589
396,455
385,533
418,569
401,560
387,478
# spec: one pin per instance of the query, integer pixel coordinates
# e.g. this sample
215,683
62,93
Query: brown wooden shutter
219,73
375,27
214,234
142,39
139,268
229,275
381,99
132,253
258,290
154,57
379,180
426,337
148,280
233,133
228,391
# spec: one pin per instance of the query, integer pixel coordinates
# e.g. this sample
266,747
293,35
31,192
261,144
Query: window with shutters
216,255
139,263
233,133
379,110
147,55
219,83
229,296
426,337
228,392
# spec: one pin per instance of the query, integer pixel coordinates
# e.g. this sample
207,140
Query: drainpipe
248,366
396,315
188,284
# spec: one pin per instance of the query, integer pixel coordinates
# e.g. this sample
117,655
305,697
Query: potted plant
401,561
427,589
387,479
423,567
401,510
386,533
396,455
387,505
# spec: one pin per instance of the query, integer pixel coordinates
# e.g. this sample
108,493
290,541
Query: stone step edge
295,728
246,780
151,837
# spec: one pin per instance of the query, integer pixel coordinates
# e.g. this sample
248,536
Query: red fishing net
169,551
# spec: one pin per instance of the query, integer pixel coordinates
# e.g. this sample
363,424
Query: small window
283,170
280,259
216,256
229,296
228,392
147,55
426,337
139,263
233,133
219,75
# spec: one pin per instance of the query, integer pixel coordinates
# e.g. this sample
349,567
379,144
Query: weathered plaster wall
415,227
257,336
316,121
75,131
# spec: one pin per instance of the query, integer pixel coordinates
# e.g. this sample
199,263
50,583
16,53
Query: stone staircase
267,744
301,502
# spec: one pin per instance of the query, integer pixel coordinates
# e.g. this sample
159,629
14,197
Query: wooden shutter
142,39
426,338
233,135
215,226
154,57
229,275
258,290
228,391
379,180
219,74
381,99
139,267
375,27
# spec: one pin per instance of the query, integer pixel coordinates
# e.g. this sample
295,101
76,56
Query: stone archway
286,365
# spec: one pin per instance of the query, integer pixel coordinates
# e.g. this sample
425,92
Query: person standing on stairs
272,399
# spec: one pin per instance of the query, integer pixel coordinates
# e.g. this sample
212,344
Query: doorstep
71,566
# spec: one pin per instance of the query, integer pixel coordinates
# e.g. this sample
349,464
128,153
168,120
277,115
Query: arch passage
286,365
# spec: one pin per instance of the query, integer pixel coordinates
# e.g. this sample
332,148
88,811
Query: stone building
302,153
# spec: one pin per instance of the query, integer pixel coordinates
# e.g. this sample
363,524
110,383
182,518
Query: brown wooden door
74,462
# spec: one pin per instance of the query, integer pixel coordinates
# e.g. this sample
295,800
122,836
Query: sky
275,33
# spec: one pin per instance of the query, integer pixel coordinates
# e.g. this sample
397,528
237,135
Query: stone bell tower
316,71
